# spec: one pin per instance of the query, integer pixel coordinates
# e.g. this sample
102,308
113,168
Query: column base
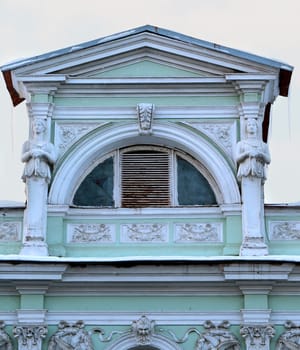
254,246
34,249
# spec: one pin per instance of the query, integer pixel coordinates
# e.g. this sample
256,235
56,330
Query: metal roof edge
155,30
285,71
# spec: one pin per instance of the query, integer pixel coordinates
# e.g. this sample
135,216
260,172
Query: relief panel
66,134
198,232
284,230
224,134
91,233
144,233
10,231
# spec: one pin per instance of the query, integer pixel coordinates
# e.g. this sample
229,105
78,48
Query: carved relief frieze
215,337
91,233
222,133
10,231
198,232
30,337
144,331
70,336
144,233
284,230
5,341
290,339
257,337
67,134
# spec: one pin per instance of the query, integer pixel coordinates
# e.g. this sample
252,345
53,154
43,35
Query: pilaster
251,155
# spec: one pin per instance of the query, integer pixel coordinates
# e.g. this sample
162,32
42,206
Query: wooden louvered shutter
145,179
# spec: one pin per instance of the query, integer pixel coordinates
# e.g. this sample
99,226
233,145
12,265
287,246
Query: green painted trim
32,301
189,101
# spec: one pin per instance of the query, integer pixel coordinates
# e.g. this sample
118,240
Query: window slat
145,179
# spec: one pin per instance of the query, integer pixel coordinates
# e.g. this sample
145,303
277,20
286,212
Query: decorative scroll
216,337
284,230
156,233
145,117
70,337
257,337
10,231
5,341
67,134
91,233
145,332
198,232
30,337
142,333
290,339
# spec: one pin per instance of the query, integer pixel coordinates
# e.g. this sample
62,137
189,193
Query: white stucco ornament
145,117
252,156
39,156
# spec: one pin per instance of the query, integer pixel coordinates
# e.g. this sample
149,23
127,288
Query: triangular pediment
146,44
141,52
144,63
144,68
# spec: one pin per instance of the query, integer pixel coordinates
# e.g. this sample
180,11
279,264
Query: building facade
145,225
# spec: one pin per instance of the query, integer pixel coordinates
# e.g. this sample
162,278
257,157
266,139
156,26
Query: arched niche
104,140
157,342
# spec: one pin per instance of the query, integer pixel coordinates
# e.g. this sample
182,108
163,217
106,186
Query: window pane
192,187
97,188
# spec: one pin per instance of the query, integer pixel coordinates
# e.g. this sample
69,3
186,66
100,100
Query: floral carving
285,230
144,233
70,337
5,341
90,233
198,232
10,231
221,133
217,337
67,134
290,339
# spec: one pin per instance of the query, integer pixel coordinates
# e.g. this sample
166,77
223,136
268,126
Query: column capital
30,336
257,336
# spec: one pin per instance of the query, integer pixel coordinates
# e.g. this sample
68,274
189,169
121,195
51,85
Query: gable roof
285,71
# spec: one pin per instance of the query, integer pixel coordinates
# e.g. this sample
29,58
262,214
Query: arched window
144,347
145,176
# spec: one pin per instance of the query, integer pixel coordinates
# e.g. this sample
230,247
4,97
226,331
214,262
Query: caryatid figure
39,156
252,156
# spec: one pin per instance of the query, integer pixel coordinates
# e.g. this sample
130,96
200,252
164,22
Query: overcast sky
270,28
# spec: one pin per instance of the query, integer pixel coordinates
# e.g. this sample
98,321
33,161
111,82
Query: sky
269,28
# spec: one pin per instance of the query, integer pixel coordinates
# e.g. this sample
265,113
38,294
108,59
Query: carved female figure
252,155
38,155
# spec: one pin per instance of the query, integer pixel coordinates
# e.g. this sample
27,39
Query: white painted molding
69,174
257,317
31,316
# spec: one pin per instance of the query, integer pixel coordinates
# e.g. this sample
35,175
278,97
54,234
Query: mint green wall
145,303
145,69
132,101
